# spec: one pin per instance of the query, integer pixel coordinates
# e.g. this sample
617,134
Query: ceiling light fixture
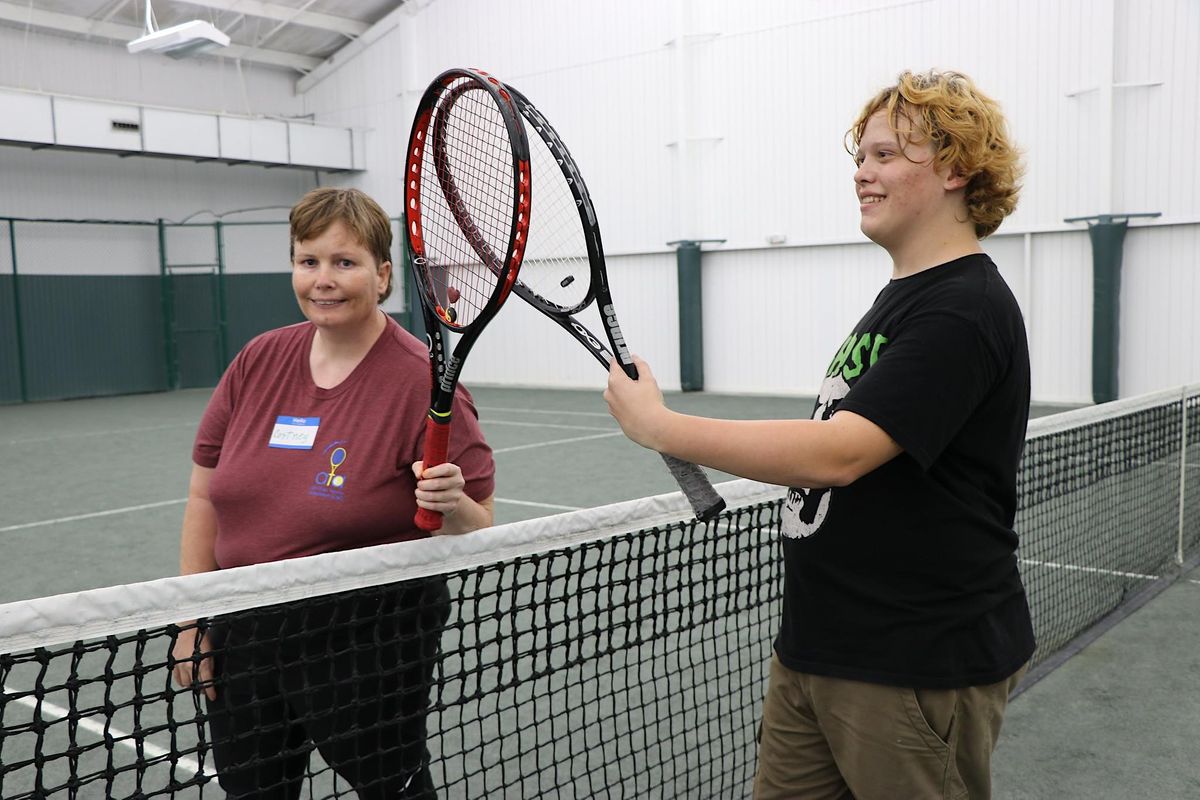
178,41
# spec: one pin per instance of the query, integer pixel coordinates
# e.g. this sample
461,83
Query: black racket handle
696,487
694,484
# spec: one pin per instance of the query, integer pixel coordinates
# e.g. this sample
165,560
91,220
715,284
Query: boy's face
901,194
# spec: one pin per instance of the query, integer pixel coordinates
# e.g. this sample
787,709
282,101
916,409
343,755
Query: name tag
295,433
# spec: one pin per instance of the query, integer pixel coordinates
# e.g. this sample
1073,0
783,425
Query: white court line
487,422
128,509
546,411
94,514
1093,570
113,432
536,505
557,441
54,713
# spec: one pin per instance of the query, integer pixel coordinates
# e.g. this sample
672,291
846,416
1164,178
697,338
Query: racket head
564,257
467,196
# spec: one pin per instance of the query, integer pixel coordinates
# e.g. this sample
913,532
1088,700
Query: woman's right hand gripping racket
466,197
564,272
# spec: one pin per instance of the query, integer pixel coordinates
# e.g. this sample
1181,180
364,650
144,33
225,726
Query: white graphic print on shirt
805,509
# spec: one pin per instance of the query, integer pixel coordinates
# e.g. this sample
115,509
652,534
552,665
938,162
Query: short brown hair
967,131
361,215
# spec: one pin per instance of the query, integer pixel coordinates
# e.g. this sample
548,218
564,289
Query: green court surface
94,489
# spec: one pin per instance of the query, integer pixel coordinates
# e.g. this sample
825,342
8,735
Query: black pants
347,674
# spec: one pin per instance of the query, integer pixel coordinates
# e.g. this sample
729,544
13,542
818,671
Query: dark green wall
255,303
10,378
85,335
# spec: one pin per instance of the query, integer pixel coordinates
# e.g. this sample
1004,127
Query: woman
311,444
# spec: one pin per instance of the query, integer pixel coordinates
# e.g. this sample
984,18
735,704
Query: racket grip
437,442
696,488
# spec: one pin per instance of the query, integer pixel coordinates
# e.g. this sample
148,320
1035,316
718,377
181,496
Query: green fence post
168,304
1108,239
414,319
222,344
1107,235
22,378
691,312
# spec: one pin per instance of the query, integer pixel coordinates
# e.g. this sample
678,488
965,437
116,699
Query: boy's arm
808,453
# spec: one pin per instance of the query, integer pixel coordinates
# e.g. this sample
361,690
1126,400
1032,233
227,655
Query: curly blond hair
967,131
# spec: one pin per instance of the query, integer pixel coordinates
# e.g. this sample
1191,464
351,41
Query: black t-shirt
908,576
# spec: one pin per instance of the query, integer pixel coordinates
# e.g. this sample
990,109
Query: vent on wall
118,125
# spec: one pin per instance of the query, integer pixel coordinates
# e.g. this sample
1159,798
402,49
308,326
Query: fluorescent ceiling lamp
177,41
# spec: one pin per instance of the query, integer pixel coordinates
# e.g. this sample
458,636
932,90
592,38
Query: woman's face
336,279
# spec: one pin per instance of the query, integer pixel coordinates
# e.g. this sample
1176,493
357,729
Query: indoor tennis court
597,641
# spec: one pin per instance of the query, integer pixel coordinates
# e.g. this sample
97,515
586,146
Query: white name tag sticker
295,433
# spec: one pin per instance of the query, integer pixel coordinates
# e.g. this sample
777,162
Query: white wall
44,62
737,135
64,184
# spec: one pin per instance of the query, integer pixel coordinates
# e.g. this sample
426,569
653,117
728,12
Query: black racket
564,272
466,197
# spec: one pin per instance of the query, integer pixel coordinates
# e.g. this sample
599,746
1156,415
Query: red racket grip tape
437,441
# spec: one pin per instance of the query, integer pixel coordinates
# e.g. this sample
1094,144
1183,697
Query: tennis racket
466,197
564,272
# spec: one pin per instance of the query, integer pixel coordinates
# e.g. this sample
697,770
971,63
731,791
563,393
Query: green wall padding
10,375
255,303
88,335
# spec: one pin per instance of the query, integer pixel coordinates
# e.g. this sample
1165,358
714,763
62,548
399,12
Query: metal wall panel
1160,295
1157,70
72,249
773,319
522,347
256,249
26,117
183,132
60,185
761,97
1060,328
736,134
763,100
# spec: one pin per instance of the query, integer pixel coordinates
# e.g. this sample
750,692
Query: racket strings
466,203
556,264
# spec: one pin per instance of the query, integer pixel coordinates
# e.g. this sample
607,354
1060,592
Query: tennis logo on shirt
331,481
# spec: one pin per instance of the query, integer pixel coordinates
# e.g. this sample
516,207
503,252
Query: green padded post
222,311
1107,233
166,291
1108,239
22,378
691,316
414,320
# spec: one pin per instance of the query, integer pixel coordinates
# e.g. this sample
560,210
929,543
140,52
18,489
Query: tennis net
613,652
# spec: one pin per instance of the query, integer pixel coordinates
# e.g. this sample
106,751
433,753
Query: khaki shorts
833,739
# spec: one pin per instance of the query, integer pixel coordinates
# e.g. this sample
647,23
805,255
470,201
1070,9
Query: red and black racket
466,197
564,272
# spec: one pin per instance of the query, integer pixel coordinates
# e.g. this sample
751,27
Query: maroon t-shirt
280,497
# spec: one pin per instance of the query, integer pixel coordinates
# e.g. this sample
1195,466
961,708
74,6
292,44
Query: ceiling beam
351,28
68,23
355,48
